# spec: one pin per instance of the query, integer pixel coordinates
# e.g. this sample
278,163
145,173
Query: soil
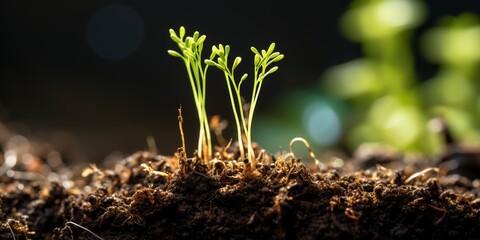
374,195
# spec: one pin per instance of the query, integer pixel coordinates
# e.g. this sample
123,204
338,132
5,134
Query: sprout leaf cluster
191,51
262,61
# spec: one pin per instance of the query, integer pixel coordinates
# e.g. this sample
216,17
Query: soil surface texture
151,196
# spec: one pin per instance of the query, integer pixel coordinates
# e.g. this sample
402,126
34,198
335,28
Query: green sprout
262,61
191,53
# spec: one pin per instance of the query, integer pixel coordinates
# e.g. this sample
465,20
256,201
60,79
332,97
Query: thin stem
234,108
202,145
206,126
11,230
84,228
197,104
257,84
239,102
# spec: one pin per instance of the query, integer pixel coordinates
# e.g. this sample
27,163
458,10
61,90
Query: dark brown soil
149,196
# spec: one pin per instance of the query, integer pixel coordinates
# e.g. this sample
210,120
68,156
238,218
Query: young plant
191,53
262,61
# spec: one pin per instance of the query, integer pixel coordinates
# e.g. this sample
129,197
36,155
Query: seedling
191,53
262,61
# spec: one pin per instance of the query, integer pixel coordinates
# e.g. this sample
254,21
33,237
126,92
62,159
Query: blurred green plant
389,103
454,92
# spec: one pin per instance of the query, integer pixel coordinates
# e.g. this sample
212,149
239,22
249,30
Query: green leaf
174,53
172,32
274,55
254,50
212,63
271,48
189,42
215,50
243,77
175,38
200,42
264,53
256,59
237,61
201,39
261,61
272,70
196,35
277,58
212,55
188,53
221,62
227,50
182,32
221,51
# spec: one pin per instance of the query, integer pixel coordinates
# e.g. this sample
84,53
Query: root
320,165
11,230
84,228
441,210
150,170
421,173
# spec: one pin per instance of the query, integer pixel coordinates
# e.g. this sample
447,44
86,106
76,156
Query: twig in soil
279,199
11,230
261,156
307,145
180,126
334,202
151,171
224,150
84,228
421,173
441,210
350,213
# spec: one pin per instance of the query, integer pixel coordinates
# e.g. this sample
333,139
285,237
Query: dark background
96,81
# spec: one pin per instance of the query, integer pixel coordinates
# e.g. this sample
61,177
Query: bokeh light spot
322,123
115,31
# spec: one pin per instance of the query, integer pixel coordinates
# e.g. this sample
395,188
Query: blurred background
94,79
